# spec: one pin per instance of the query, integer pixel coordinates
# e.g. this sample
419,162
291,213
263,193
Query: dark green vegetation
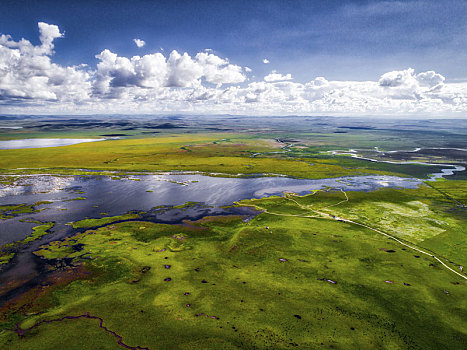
8,251
454,190
9,211
75,199
103,221
290,277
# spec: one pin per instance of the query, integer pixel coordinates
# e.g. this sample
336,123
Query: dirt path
405,244
327,216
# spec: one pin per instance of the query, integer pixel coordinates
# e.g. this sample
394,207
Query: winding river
449,170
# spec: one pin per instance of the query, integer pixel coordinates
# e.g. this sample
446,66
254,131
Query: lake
115,196
39,143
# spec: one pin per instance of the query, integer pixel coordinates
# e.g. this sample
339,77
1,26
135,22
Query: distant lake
39,143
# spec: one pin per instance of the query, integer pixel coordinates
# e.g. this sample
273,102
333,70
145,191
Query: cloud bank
204,83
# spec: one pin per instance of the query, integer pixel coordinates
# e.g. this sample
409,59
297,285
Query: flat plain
332,268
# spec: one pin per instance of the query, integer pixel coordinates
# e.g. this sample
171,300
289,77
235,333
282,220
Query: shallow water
450,170
39,143
446,172
105,194
114,196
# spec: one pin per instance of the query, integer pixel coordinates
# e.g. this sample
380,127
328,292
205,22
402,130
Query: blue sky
339,40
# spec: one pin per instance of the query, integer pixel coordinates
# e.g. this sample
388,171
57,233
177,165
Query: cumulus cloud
408,78
274,76
204,83
27,72
265,61
219,71
405,84
398,78
430,79
114,72
48,33
140,43
155,71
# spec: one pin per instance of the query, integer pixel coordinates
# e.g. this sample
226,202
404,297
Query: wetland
211,235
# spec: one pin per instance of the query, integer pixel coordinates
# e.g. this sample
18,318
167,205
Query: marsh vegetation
349,253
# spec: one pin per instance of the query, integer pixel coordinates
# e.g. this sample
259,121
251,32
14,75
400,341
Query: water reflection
39,143
113,196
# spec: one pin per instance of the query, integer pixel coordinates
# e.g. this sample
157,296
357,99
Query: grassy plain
281,280
224,144
229,154
294,276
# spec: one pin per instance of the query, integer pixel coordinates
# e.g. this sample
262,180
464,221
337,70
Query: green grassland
226,145
229,154
331,269
325,132
424,216
223,283
455,190
8,251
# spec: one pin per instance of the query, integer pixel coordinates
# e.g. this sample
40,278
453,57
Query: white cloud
405,78
182,70
48,32
406,84
155,71
265,61
115,73
219,71
27,73
277,77
140,43
204,83
430,79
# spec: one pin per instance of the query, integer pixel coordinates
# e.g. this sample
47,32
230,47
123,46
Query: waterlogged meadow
194,235
293,276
